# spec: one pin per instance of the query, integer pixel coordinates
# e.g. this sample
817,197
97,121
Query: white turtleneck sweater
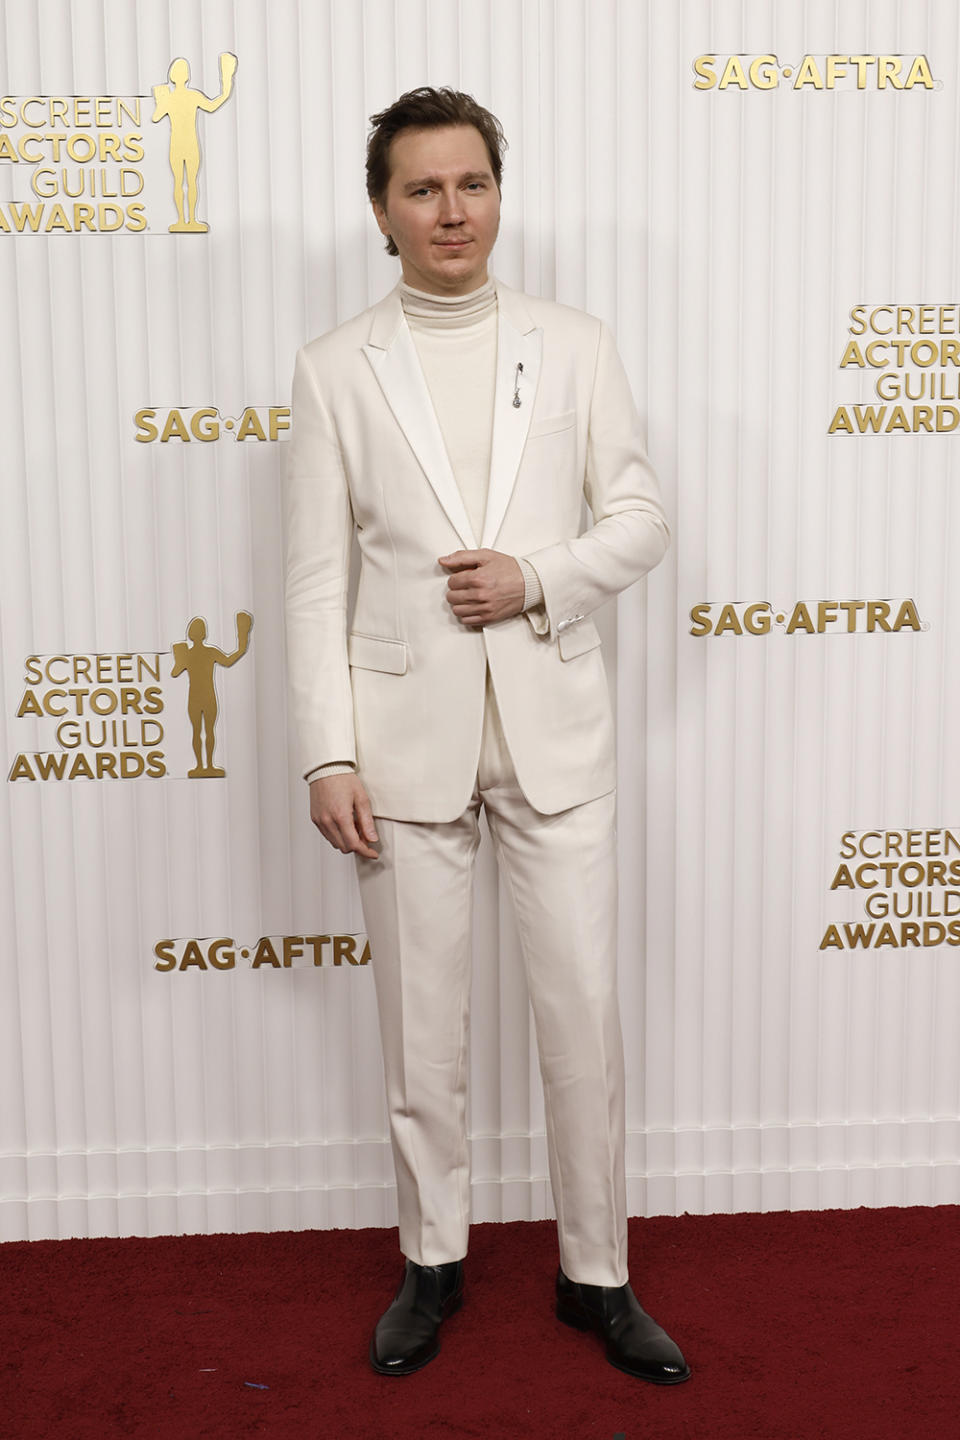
456,341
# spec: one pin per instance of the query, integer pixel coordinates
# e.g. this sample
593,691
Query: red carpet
843,1323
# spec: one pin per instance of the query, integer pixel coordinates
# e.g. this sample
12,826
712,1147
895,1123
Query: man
456,427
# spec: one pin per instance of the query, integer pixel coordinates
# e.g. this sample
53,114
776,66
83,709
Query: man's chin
469,276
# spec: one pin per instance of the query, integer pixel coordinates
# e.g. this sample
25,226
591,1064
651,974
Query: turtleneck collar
449,310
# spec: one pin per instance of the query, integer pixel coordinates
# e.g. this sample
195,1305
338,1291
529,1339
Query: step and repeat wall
761,200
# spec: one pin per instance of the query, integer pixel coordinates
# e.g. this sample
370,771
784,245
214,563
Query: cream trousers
417,901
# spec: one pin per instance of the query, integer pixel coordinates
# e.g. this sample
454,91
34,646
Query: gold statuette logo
83,164
179,103
197,659
109,717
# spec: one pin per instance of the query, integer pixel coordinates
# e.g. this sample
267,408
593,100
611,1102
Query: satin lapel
510,422
398,369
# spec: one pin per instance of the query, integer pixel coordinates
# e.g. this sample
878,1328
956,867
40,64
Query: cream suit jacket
399,690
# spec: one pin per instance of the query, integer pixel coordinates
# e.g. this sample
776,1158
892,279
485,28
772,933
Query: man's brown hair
427,109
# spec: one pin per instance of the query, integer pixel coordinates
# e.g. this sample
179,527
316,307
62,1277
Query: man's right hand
340,809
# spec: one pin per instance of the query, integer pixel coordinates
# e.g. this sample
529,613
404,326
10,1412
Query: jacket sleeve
630,534
318,522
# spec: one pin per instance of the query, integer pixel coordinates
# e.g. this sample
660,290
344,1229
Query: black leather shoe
406,1333
635,1342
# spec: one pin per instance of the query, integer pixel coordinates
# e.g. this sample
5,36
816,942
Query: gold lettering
51,766
907,617
166,956
174,426
888,68
265,955
852,355
292,949
192,956
763,72
200,429
733,74
700,615
826,614
878,613
800,620
250,425
316,943
919,74
145,431
110,217
840,421
81,148
808,74
344,946
756,618
703,67
29,705
58,220
861,62
224,949
729,620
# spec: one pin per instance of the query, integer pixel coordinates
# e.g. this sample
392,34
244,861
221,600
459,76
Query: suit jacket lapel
519,343
393,357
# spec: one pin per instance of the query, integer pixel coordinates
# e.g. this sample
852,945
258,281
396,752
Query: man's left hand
484,586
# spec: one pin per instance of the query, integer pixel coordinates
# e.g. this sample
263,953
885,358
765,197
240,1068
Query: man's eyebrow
437,180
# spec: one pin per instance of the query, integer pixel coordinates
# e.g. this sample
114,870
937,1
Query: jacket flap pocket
369,652
577,639
549,423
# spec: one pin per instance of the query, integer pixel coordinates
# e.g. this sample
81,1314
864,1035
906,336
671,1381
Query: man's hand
340,809
484,586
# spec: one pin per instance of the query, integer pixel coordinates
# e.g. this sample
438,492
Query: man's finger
353,842
462,579
331,833
365,817
462,560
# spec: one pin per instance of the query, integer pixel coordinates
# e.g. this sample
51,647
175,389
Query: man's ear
380,215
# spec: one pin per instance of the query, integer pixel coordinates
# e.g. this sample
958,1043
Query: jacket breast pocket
578,639
370,652
550,424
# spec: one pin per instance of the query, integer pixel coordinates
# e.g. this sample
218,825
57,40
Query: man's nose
451,209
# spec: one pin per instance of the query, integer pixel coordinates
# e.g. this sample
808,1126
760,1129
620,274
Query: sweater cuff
336,767
532,589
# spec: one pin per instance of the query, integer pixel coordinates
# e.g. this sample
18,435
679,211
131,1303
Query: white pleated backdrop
724,235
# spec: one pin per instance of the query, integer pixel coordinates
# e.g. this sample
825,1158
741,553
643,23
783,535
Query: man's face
442,208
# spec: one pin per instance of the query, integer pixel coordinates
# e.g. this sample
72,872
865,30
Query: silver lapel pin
516,385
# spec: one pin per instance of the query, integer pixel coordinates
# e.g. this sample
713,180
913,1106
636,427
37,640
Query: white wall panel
725,236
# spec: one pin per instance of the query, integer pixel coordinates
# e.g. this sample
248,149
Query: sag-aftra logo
812,72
